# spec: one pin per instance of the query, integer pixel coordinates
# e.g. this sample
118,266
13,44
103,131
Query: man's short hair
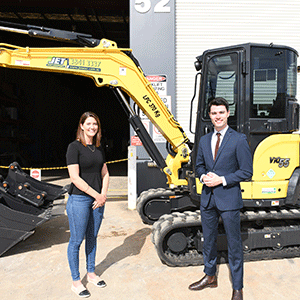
218,101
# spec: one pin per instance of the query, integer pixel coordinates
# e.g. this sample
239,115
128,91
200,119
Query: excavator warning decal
22,62
74,64
122,71
271,173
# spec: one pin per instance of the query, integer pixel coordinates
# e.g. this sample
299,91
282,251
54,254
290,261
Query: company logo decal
268,190
282,162
74,64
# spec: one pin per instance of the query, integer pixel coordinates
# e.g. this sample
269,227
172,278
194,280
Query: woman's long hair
80,135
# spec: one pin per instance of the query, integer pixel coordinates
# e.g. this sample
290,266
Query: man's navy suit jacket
233,161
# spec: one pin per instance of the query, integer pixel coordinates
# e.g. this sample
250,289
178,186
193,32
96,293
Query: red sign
36,174
157,78
135,141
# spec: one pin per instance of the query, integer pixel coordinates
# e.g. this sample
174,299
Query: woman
89,184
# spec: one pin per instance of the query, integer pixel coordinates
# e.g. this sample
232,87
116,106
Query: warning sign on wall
159,83
135,140
167,101
157,136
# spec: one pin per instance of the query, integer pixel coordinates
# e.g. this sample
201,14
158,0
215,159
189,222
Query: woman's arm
76,179
101,198
105,179
83,186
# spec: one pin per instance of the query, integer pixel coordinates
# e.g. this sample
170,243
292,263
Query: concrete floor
37,268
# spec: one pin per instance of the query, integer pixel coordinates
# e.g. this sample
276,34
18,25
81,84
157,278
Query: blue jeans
84,222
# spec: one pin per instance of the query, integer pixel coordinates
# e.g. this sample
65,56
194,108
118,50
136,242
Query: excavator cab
258,81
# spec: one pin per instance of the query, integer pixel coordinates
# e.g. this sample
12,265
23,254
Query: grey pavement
37,268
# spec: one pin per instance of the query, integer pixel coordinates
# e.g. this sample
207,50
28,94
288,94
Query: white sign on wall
157,136
159,83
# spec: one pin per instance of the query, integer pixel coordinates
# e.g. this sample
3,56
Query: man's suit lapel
209,137
224,141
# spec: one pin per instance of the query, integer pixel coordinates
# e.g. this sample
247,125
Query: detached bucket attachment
25,192
21,205
10,237
16,226
25,203
17,176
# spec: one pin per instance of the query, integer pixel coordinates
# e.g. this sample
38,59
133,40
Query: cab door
221,77
273,106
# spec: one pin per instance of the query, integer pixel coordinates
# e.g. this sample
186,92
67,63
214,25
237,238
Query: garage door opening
40,112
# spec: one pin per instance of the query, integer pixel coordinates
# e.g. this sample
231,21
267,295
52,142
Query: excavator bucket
25,203
15,226
17,176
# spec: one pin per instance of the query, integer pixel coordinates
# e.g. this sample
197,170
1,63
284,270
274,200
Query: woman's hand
99,201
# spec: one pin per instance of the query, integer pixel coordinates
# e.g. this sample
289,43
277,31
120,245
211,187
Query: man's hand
211,179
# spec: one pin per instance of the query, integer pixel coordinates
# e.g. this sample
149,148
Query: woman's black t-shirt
90,160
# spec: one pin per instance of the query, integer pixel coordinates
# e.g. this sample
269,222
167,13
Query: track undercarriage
266,234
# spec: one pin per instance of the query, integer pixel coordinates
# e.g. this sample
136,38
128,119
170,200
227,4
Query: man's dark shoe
206,281
237,295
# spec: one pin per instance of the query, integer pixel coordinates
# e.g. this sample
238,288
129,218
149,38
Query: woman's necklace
93,150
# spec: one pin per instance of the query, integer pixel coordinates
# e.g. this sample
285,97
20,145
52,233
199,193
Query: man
223,161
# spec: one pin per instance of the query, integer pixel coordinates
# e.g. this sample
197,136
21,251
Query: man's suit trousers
231,221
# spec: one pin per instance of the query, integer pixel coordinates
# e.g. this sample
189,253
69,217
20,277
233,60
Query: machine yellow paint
175,211
284,146
270,179
107,65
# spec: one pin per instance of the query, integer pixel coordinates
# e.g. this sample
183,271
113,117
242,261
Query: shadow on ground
132,245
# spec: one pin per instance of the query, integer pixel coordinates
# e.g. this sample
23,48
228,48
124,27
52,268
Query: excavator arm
110,66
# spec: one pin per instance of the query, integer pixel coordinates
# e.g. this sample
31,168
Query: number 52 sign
143,6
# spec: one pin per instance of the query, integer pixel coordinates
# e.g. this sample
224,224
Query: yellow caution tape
115,161
60,168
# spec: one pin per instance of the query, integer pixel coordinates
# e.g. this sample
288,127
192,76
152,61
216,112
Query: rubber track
273,213
187,219
148,195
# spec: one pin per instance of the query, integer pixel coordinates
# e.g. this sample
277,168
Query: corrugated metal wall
202,25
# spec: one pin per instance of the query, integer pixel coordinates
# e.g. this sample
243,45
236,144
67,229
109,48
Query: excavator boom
110,66
50,33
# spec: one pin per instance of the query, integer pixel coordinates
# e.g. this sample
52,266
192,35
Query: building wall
167,36
152,39
203,25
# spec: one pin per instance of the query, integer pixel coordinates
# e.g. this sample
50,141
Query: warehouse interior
39,111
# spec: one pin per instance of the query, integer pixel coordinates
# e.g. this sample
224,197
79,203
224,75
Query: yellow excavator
259,82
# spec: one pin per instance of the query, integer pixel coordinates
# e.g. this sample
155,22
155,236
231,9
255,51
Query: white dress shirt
214,139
